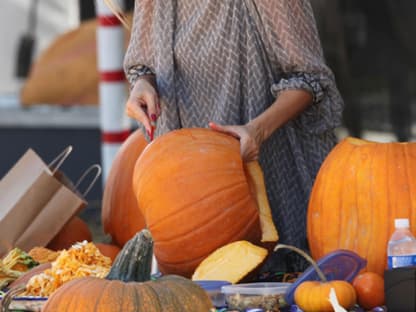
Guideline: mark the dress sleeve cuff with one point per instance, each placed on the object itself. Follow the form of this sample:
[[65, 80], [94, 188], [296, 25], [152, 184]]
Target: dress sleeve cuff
[[304, 81], [133, 73]]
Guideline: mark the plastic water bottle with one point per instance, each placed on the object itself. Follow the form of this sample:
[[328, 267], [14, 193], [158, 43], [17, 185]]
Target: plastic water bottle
[[401, 250]]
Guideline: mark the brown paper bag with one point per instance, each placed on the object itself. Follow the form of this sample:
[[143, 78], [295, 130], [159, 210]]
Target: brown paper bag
[[36, 200]]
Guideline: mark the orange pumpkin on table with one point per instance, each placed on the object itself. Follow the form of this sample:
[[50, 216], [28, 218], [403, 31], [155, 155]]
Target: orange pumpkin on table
[[120, 215], [196, 195], [360, 189], [128, 287], [317, 296]]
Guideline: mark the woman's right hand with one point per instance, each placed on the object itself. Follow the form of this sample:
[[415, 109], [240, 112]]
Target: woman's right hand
[[143, 104]]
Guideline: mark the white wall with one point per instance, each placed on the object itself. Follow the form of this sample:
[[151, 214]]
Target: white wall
[[54, 18]]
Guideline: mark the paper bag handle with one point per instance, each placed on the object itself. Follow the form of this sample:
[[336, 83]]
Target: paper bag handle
[[55, 164], [97, 174]]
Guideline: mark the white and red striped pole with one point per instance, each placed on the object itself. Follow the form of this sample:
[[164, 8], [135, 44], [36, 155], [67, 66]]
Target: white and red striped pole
[[115, 125]]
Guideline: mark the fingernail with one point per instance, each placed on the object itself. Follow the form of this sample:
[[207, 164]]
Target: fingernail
[[153, 117], [151, 134]]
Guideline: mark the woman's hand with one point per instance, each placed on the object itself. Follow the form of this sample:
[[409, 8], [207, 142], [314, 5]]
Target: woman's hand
[[251, 137], [287, 106], [143, 104]]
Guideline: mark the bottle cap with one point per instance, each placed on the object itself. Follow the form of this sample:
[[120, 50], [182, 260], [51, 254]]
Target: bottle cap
[[401, 223]]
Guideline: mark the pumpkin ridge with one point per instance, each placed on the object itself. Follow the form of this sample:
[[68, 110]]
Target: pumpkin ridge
[[72, 301], [367, 172], [153, 296], [353, 220], [212, 219], [381, 163], [237, 234], [390, 212], [101, 295], [340, 190], [405, 176], [412, 185], [194, 305], [169, 302], [408, 176], [199, 257], [62, 297], [240, 229], [372, 203], [317, 201], [375, 165], [134, 298], [184, 210]]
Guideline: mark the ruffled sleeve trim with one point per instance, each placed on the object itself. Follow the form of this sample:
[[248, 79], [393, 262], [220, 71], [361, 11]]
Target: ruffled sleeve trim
[[135, 72], [302, 81]]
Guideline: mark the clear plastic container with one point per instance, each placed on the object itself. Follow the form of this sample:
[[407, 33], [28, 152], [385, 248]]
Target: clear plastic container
[[213, 289], [266, 296], [401, 248]]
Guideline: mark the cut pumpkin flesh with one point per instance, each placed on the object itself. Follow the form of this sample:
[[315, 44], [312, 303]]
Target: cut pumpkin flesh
[[231, 263], [255, 177]]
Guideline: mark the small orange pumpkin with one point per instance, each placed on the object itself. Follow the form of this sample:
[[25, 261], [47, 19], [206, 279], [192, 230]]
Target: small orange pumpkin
[[313, 296], [120, 215], [197, 195]]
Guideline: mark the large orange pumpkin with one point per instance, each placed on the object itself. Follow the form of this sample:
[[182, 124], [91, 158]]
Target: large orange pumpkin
[[195, 195], [360, 189], [120, 215], [128, 288]]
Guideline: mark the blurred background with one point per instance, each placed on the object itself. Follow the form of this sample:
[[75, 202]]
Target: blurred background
[[49, 80]]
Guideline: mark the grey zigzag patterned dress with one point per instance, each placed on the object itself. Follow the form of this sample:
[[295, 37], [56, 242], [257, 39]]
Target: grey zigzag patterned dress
[[226, 61]]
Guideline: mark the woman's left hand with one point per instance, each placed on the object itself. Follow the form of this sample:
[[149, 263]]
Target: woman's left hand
[[250, 136]]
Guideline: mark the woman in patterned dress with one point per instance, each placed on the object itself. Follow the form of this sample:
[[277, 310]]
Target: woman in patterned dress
[[250, 68]]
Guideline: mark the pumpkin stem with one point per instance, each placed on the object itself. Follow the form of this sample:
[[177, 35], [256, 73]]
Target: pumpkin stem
[[306, 256], [134, 261]]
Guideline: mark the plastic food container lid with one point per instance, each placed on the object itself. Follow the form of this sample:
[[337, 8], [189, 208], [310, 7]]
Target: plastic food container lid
[[340, 264], [256, 288], [209, 285]]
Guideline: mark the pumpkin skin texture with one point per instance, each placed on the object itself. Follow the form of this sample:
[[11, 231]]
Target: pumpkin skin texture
[[192, 189], [312, 296], [120, 215], [76, 230], [369, 287], [171, 293], [360, 189], [127, 288]]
